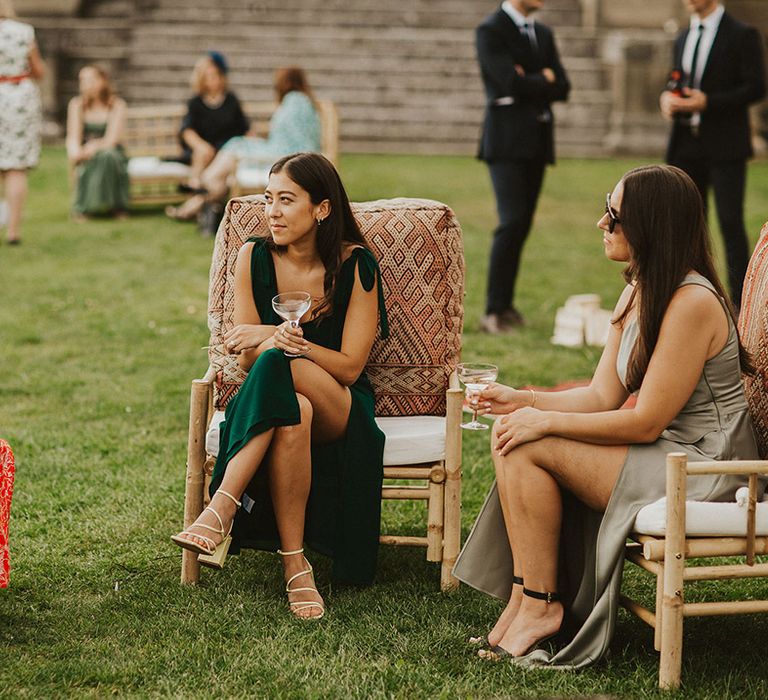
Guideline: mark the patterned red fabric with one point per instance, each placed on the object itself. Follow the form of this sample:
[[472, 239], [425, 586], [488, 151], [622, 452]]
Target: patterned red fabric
[[753, 329], [6, 491], [419, 248]]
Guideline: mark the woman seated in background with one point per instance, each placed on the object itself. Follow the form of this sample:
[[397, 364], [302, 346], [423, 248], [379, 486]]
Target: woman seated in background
[[95, 125], [214, 115], [572, 470], [299, 447], [293, 128]]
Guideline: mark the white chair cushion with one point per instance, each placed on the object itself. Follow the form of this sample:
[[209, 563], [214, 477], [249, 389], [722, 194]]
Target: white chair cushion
[[705, 519], [253, 176], [409, 440], [151, 166]]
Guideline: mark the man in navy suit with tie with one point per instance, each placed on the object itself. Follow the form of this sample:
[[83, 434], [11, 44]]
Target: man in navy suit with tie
[[522, 76], [720, 61]]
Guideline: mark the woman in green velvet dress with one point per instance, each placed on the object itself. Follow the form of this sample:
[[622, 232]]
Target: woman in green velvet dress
[[299, 448], [95, 124]]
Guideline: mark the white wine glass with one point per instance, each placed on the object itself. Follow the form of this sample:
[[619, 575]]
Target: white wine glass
[[291, 306], [475, 376]]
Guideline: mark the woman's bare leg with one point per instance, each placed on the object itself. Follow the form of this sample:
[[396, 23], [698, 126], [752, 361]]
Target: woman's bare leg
[[201, 159], [516, 594], [290, 478], [535, 472], [240, 471], [215, 178], [324, 406], [15, 195]]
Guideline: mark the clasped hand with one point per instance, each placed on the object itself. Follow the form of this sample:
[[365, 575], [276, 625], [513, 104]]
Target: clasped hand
[[690, 101], [519, 423], [246, 336]]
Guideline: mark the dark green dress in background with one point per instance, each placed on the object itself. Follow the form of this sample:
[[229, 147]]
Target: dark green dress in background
[[344, 507], [102, 181]]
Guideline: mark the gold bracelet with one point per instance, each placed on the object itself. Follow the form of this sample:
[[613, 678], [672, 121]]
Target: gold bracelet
[[533, 397]]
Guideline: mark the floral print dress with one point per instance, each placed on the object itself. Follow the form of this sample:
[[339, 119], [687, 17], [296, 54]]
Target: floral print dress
[[20, 108]]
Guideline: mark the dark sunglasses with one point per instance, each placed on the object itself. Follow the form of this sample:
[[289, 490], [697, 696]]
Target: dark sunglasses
[[613, 217]]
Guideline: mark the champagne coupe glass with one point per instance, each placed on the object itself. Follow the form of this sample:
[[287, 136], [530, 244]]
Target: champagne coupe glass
[[291, 306], [475, 376]]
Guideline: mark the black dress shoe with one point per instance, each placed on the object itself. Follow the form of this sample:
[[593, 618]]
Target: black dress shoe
[[512, 318]]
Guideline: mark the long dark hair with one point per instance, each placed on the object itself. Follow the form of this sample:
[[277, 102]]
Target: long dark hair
[[662, 217], [316, 175]]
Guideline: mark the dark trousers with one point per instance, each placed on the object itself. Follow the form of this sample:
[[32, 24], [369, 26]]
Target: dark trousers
[[728, 181], [516, 184]]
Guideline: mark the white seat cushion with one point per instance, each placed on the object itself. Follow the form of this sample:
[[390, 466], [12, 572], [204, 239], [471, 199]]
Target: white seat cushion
[[705, 519], [253, 176], [151, 166], [409, 440]]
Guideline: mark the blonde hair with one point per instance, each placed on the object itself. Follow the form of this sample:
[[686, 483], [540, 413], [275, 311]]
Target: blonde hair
[[6, 9], [197, 81]]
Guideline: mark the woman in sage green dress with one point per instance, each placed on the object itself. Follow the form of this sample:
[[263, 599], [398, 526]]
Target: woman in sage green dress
[[95, 124], [572, 470], [307, 420]]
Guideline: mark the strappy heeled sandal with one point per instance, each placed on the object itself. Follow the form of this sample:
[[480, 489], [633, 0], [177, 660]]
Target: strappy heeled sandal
[[498, 653], [212, 555], [298, 605], [483, 641]]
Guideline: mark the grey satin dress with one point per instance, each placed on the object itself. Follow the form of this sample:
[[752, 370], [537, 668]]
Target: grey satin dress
[[713, 424]]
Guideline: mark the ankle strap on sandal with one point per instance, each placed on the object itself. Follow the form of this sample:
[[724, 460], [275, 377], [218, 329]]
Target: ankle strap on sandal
[[518, 580], [229, 496], [550, 597], [288, 554]]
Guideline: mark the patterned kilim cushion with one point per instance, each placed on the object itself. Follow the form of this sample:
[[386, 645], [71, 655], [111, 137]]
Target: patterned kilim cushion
[[419, 248], [753, 328]]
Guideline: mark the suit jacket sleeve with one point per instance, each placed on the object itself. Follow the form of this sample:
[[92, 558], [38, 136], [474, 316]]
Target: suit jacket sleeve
[[498, 63], [557, 91], [751, 87]]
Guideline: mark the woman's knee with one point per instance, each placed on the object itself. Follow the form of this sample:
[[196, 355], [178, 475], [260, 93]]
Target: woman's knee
[[306, 410]]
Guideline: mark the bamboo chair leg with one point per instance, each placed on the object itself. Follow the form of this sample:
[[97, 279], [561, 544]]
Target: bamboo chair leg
[[674, 562], [193, 492], [435, 521], [452, 517], [659, 607]]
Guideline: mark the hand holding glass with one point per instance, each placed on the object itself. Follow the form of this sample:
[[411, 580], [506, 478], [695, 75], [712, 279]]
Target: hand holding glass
[[291, 306], [475, 376]]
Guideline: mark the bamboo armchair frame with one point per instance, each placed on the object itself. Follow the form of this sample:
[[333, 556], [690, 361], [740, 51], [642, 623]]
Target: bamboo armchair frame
[[153, 130], [441, 492], [665, 558], [413, 372]]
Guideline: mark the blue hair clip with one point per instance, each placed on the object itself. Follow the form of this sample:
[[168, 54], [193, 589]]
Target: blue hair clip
[[219, 61]]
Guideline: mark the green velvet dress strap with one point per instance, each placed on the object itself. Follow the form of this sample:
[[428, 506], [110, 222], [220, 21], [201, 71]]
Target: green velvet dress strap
[[369, 274]]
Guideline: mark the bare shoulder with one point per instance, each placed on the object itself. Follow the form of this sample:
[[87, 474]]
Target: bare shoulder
[[695, 304], [244, 254], [624, 300], [348, 249]]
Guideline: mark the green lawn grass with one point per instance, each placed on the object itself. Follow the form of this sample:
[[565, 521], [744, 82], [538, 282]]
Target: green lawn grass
[[101, 326]]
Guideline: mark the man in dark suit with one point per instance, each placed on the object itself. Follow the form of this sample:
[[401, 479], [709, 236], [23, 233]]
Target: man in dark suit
[[522, 76], [720, 64]]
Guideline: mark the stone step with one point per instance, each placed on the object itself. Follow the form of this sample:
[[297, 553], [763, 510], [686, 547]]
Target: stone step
[[290, 41]]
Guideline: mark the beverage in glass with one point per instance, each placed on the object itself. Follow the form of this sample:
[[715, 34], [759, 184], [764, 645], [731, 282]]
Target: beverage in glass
[[476, 376], [291, 306]]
